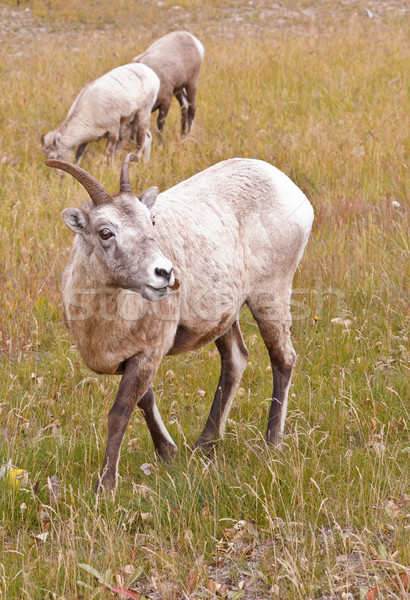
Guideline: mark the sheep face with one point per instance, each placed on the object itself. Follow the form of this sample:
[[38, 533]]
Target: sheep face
[[118, 239], [51, 145]]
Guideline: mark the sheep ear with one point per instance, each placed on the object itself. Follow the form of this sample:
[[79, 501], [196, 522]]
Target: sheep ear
[[57, 140], [149, 196], [75, 220]]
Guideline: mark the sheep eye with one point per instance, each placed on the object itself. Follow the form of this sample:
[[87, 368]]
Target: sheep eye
[[153, 220], [105, 234]]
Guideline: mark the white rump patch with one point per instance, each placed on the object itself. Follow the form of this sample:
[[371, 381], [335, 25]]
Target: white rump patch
[[198, 44]]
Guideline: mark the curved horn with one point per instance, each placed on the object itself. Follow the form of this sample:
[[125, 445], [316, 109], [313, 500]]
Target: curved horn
[[95, 190], [125, 185]]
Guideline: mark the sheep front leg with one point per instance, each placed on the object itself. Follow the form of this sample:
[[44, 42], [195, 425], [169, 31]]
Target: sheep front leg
[[111, 147], [137, 376], [274, 321], [139, 129], [80, 153]]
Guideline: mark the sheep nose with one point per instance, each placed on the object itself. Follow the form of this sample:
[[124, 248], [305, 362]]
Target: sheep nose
[[164, 273]]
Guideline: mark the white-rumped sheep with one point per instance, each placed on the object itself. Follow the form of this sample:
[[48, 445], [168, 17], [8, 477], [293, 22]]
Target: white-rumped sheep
[[116, 105], [228, 236], [176, 58]]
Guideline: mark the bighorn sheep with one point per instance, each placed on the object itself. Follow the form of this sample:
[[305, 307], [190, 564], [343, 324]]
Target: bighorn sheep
[[176, 58], [115, 106], [232, 235]]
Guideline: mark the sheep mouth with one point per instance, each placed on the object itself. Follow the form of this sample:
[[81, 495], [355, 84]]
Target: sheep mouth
[[161, 290], [155, 294], [166, 288]]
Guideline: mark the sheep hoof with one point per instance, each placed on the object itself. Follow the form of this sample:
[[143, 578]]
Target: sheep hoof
[[167, 452], [105, 486], [205, 444]]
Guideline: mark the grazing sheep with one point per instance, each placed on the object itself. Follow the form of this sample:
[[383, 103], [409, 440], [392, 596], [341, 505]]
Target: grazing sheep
[[116, 106], [232, 235], [176, 58]]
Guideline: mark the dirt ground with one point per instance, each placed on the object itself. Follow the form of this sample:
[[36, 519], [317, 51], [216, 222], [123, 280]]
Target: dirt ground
[[18, 23]]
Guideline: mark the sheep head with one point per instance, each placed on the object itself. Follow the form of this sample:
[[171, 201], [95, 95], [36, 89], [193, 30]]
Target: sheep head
[[51, 145], [116, 235]]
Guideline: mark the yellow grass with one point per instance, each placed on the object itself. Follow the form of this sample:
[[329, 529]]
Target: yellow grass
[[321, 91]]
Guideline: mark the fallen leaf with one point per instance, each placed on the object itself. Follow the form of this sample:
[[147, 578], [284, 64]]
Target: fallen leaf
[[125, 592], [134, 553], [128, 570], [372, 593], [222, 589], [170, 375], [146, 468], [44, 517]]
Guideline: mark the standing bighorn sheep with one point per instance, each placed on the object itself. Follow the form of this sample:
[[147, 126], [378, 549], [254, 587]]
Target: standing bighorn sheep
[[233, 235], [176, 58], [116, 105]]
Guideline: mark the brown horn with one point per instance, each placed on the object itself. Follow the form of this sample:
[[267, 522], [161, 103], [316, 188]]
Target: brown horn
[[125, 185], [95, 190]]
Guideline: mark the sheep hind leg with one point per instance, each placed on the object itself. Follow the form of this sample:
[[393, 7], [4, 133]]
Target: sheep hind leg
[[183, 102], [234, 356], [163, 111], [274, 321], [191, 90]]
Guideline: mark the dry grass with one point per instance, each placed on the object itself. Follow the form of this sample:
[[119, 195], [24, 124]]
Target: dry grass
[[326, 100]]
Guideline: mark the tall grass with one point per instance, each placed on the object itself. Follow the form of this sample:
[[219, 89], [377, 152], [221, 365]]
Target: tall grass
[[324, 515]]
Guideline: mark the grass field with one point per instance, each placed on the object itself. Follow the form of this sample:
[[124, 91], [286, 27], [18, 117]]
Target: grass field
[[320, 90]]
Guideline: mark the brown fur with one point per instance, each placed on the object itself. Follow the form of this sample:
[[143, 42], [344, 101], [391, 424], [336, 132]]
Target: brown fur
[[176, 59]]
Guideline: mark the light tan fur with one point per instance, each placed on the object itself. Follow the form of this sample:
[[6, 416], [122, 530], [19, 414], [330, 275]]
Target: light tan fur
[[116, 106], [234, 235]]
